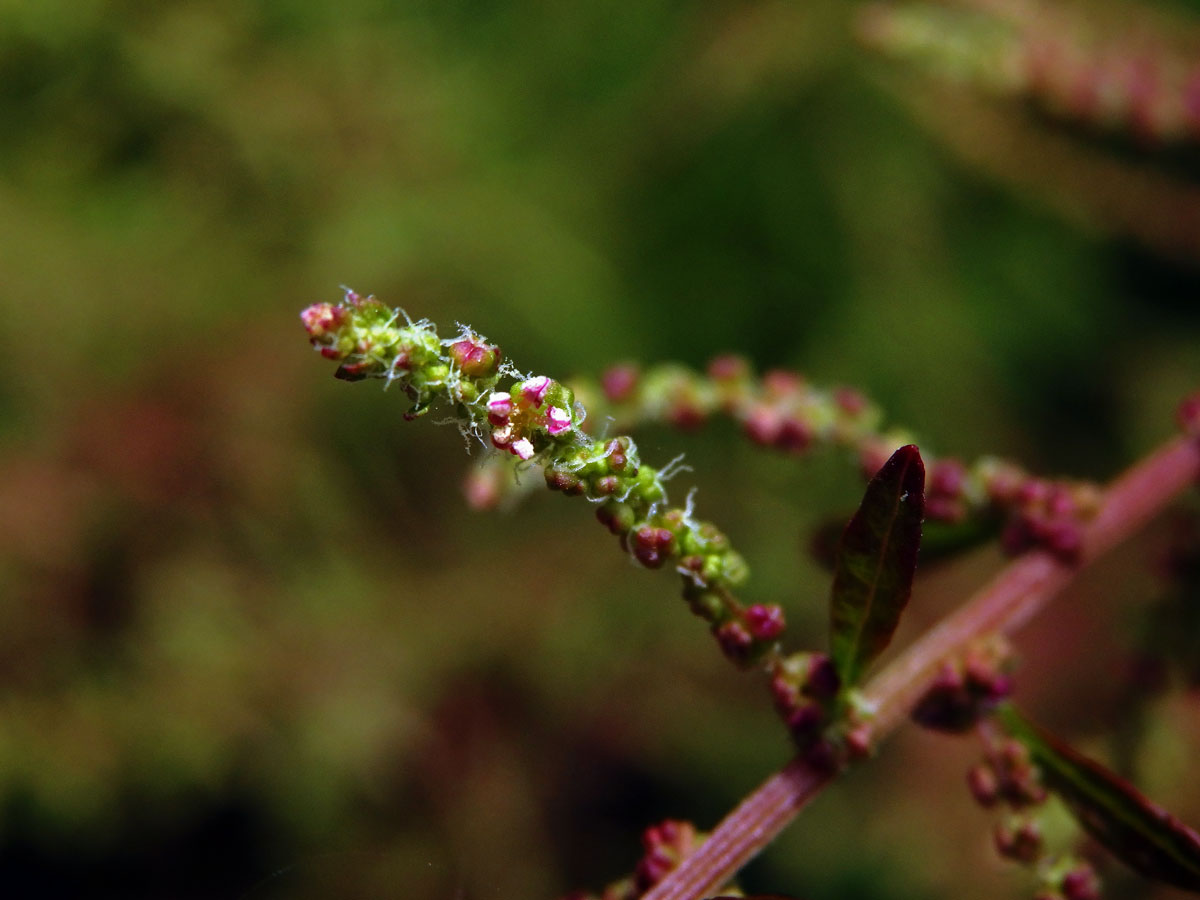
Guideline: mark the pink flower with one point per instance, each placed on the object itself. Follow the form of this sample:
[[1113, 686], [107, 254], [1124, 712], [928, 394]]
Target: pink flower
[[558, 420], [499, 407], [534, 390], [503, 437], [322, 318]]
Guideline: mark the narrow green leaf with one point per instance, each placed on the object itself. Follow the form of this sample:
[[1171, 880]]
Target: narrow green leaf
[[875, 562], [1142, 834]]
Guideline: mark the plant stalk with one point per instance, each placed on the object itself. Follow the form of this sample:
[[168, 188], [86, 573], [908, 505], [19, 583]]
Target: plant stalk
[[1008, 601]]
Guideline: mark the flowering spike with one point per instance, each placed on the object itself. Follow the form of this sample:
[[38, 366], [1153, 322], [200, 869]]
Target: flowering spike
[[536, 419]]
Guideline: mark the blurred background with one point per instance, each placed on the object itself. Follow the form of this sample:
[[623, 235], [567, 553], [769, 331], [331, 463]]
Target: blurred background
[[252, 642]]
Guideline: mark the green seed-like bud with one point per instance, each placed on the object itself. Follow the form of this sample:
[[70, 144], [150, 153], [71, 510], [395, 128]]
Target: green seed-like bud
[[567, 482], [648, 487], [708, 605], [714, 569], [475, 358], [617, 517], [733, 568], [605, 485]]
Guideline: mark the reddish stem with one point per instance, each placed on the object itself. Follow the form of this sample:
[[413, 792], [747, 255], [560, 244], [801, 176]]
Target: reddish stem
[[1014, 596]]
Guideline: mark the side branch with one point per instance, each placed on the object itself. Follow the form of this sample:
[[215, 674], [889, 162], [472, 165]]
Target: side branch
[[1014, 596]]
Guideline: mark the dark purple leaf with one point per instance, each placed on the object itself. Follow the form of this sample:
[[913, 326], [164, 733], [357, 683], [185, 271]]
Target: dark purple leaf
[[1140, 833], [875, 564], [940, 541]]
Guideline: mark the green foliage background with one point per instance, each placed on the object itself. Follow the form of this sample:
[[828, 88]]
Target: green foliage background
[[251, 643]]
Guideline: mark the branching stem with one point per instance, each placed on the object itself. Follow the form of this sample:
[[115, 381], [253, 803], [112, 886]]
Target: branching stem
[[1014, 596]]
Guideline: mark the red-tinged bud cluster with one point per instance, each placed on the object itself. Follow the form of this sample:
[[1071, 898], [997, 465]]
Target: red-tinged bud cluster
[[765, 622], [768, 426], [651, 546], [735, 641], [1079, 64], [1050, 517], [665, 846], [1081, 883], [782, 411], [475, 358], [779, 410], [616, 517], [984, 785], [1070, 879], [1019, 782], [966, 689], [537, 420], [1009, 777], [1020, 841], [369, 341], [944, 491], [322, 319], [745, 635], [804, 687]]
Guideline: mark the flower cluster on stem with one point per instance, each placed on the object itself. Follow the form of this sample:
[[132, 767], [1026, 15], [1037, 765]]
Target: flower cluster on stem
[[1008, 778], [664, 846], [784, 412], [536, 420], [1077, 64]]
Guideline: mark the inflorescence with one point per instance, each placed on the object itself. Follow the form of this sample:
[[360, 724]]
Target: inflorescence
[[536, 421], [784, 412]]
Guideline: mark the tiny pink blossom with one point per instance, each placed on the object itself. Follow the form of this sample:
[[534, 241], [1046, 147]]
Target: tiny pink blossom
[[499, 407], [322, 318], [558, 420], [502, 437], [534, 390], [522, 448]]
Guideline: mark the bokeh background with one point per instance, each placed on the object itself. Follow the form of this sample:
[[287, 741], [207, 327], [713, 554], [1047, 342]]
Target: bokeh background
[[253, 644]]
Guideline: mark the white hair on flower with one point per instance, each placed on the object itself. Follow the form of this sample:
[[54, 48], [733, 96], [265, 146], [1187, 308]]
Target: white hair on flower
[[696, 577], [673, 468], [465, 333], [507, 368], [468, 430], [689, 507]]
